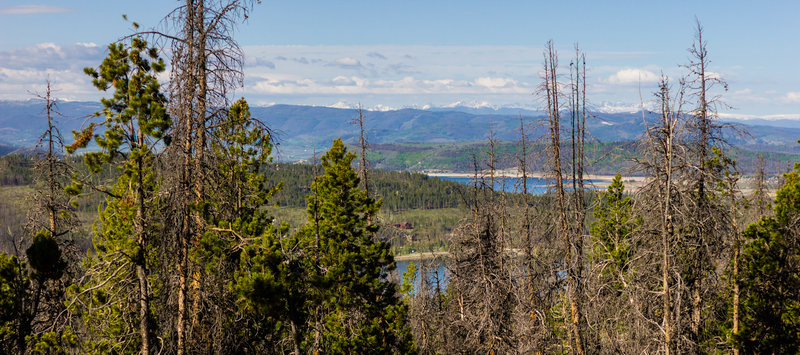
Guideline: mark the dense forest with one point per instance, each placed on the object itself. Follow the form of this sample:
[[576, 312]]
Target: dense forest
[[186, 255], [398, 190], [604, 158]]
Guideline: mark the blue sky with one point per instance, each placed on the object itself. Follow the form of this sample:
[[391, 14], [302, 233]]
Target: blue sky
[[391, 54]]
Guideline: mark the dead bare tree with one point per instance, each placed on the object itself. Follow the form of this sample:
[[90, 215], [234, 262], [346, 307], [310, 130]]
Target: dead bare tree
[[578, 132], [708, 218], [663, 161], [206, 67], [479, 314], [550, 88], [363, 146], [535, 274], [730, 189], [52, 171], [760, 195], [527, 230]]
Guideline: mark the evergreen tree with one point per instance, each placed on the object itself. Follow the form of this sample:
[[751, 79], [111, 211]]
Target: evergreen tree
[[242, 244], [612, 231], [357, 308], [770, 277], [14, 281], [119, 288], [24, 291], [612, 274]]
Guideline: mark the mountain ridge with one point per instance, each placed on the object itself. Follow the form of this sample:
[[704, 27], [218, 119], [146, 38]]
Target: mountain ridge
[[302, 129]]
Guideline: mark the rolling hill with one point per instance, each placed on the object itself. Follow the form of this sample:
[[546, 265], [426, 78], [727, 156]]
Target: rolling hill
[[302, 129]]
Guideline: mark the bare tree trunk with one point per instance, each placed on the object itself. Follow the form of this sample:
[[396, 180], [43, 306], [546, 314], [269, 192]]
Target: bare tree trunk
[[186, 114], [551, 91], [667, 227], [363, 145], [704, 224], [200, 67], [663, 162], [141, 260], [760, 193], [578, 138], [295, 338], [526, 222], [51, 169], [736, 251]]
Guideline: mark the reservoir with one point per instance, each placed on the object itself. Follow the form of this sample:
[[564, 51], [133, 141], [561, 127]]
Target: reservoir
[[536, 185]]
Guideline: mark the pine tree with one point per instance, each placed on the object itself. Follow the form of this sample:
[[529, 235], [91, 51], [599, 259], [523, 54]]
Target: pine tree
[[358, 308], [119, 287], [14, 281], [242, 243], [770, 277], [612, 231]]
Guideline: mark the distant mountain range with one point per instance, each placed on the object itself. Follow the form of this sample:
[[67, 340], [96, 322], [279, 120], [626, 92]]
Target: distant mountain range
[[303, 129]]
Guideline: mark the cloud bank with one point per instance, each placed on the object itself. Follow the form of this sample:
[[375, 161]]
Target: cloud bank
[[33, 10], [383, 75], [630, 76]]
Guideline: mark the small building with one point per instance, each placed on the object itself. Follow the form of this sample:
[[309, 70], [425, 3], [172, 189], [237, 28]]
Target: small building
[[403, 225]]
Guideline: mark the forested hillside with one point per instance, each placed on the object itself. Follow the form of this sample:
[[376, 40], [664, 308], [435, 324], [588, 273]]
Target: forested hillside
[[601, 158], [398, 190]]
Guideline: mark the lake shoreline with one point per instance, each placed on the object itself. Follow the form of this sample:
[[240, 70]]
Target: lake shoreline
[[632, 183], [422, 256]]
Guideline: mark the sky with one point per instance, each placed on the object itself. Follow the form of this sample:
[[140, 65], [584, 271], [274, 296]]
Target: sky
[[407, 53]]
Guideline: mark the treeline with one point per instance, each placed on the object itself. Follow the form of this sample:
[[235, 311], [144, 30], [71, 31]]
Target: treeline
[[398, 190], [15, 170], [604, 158]]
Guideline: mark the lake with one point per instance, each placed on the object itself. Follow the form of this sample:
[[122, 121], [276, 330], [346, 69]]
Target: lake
[[438, 264], [536, 185]]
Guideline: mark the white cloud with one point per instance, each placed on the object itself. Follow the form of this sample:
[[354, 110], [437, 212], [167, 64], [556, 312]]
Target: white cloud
[[788, 116], [409, 75], [490, 82], [341, 80], [713, 75], [347, 63], [18, 84], [49, 56], [405, 85], [792, 97], [33, 10], [747, 95], [620, 107], [630, 76]]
